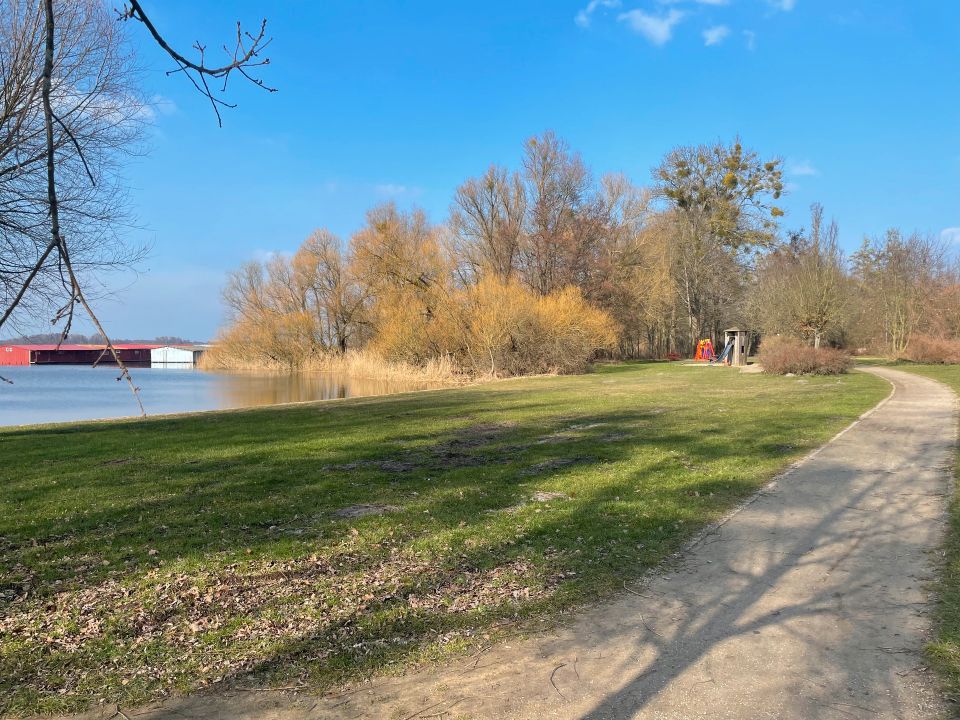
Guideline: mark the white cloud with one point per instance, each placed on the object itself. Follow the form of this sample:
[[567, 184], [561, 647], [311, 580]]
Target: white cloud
[[751, 39], [785, 5], [396, 190], [264, 256], [583, 17], [163, 105], [657, 29], [951, 235], [802, 168], [156, 105], [715, 35]]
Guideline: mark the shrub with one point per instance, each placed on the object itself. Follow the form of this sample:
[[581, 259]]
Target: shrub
[[498, 328], [493, 328], [929, 349], [780, 356], [570, 332], [272, 341]]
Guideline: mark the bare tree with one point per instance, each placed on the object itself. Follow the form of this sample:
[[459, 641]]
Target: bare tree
[[398, 251], [631, 278], [487, 219], [803, 289], [899, 280], [96, 115], [563, 219], [68, 112], [336, 299]]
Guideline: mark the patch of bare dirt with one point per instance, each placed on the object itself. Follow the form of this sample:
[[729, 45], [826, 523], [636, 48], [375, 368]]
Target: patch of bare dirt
[[460, 451], [358, 511], [542, 496], [554, 464]]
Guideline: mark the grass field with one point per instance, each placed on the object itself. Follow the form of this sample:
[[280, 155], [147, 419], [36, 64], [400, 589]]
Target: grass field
[[945, 652], [319, 543]]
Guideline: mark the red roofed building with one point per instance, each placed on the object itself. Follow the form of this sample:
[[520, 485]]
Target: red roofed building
[[130, 353]]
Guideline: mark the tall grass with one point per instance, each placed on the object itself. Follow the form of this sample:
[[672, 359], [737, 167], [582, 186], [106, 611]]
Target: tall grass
[[356, 363]]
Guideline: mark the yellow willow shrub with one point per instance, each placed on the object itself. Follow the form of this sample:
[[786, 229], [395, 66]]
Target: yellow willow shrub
[[271, 341], [499, 328], [496, 319], [407, 330], [571, 331]]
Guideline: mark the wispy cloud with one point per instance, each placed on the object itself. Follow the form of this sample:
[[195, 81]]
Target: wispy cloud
[[715, 35], [951, 235], [583, 17], [784, 5], [393, 190], [715, 3], [155, 106], [750, 38], [658, 29], [801, 168], [389, 190], [163, 105], [264, 256]]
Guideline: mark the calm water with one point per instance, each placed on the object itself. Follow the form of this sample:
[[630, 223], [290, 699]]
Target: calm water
[[56, 393]]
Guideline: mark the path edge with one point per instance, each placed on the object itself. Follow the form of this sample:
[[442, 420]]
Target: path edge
[[767, 487]]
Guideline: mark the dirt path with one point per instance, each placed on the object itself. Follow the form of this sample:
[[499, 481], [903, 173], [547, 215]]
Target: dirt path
[[808, 603]]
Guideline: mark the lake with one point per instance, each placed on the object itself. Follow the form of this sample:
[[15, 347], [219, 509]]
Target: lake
[[58, 393]]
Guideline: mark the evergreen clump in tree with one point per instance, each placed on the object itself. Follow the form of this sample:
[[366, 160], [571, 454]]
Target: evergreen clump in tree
[[722, 205]]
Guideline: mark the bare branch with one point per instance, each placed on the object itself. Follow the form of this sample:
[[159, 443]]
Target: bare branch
[[241, 58], [53, 204], [26, 283], [83, 158]]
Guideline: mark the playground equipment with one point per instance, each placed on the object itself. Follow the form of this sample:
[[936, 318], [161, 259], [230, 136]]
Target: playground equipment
[[736, 344], [725, 355], [705, 351]]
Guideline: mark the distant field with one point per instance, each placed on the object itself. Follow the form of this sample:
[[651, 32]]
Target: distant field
[[318, 543]]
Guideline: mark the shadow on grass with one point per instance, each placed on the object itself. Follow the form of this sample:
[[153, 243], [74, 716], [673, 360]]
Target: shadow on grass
[[213, 491]]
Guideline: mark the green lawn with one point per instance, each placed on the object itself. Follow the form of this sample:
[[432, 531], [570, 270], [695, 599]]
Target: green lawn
[[945, 652], [140, 558]]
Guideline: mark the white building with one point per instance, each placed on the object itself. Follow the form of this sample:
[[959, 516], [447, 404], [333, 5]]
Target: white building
[[175, 356]]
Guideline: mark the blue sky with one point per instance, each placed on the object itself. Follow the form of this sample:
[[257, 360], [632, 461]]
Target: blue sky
[[403, 101]]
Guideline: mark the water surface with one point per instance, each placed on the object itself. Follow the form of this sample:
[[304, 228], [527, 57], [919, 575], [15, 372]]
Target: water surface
[[58, 393]]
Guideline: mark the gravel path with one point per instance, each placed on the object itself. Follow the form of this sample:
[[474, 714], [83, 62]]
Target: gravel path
[[809, 602]]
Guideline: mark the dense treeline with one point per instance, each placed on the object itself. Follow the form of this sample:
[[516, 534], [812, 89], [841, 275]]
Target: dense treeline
[[542, 268]]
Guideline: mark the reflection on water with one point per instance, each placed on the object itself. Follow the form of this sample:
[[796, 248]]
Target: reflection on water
[[249, 390], [56, 393]]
